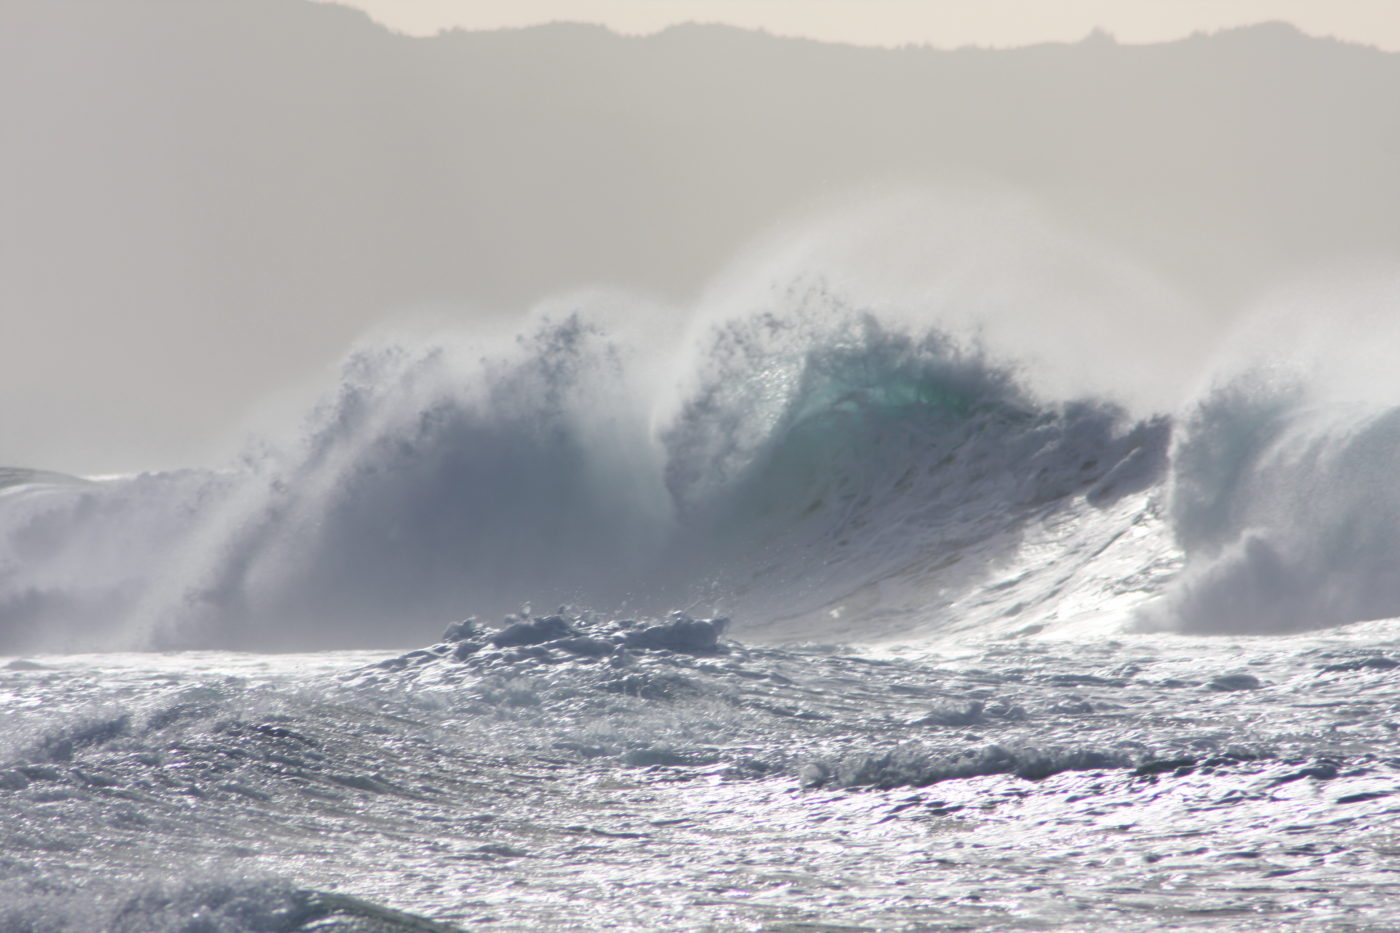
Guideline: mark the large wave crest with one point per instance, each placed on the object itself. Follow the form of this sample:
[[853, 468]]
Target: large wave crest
[[815, 450]]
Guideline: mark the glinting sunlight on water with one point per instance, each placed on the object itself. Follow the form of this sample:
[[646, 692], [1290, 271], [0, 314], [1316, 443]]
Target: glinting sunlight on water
[[951, 550]]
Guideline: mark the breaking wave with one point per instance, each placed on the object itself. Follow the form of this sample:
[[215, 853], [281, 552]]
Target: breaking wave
[[813, 449], [1288, 511], [818, 469]]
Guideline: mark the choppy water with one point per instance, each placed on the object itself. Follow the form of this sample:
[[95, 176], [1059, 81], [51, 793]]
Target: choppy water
[[1144, 782]]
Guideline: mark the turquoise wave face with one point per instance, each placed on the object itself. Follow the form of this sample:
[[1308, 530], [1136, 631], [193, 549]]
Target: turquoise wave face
[[812, 389]]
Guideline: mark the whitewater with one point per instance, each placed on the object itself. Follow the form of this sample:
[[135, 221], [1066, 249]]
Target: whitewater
[[998, 591]]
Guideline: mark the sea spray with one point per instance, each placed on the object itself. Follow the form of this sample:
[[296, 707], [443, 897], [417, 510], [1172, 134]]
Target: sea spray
[[821, 467], [821, 449]]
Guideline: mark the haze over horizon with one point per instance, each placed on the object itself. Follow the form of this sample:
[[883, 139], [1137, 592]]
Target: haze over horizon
[[894, 23], [207, 204]]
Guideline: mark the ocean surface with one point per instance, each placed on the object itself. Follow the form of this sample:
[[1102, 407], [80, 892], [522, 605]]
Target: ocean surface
[[799, 612]]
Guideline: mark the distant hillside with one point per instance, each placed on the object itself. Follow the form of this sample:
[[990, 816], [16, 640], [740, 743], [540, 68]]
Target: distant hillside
[[216, 194]]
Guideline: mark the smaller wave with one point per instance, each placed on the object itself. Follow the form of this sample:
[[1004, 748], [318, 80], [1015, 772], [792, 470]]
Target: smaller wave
[[242, 905], [1287, 509], [914, 766]]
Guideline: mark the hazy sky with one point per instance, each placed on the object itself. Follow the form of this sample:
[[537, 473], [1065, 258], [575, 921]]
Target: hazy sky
[[896, 22], [206, 204]]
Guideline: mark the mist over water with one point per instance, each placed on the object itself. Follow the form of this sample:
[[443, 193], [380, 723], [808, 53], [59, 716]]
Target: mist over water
[[895, 398]]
